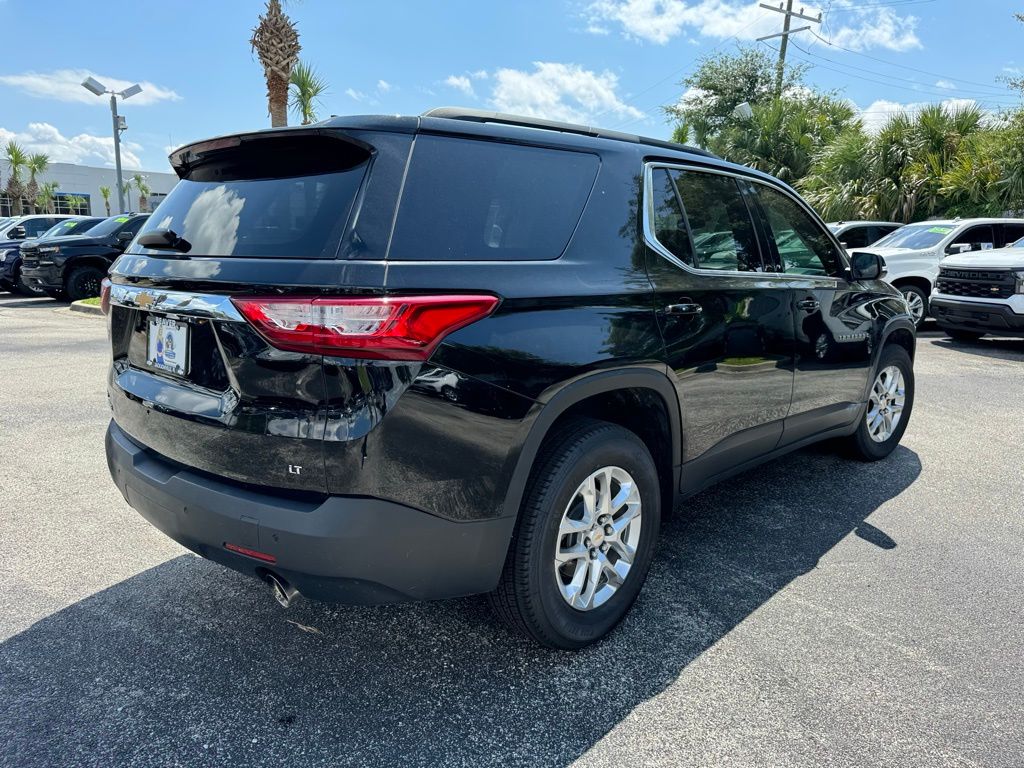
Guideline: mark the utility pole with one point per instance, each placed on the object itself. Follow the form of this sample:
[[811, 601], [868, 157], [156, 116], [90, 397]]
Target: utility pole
[[788, 12]]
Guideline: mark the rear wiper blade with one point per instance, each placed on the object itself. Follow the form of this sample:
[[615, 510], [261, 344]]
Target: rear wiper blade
[[165, 240]]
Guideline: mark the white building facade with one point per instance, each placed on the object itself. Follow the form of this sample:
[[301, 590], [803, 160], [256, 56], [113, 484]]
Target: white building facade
[[78, 189]]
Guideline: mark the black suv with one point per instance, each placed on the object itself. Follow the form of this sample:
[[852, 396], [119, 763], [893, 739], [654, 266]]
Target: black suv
[[73, 267], [390, 358]]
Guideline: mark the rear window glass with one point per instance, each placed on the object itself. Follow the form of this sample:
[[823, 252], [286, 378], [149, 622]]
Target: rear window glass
[[273, 198], [469, 200]]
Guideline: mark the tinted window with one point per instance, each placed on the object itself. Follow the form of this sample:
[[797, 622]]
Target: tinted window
[[467, 200], [109, 226], [804, 248], [36, 227], [1012, 232], [718, 225], [980, 238], [669, 223], [134, 225], [855, 237]]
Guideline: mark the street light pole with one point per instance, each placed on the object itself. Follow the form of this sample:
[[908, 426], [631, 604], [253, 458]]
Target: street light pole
[[97, 88], [117, 152]]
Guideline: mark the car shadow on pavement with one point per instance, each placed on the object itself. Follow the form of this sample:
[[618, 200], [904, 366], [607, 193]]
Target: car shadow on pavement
[[189, 663], [1000, 349]]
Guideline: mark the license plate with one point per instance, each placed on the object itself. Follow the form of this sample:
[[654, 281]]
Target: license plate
[[168, 345]]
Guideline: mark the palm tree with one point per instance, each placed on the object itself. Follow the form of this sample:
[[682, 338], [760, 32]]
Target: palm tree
[[305, 91], [45, 196], [140, 184], [36, 164], [275, 40], [16, 162], [105, 192], [74, 203], [126, 190]]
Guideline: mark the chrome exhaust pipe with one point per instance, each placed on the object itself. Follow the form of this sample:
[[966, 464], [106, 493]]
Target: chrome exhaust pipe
[[282, 591]]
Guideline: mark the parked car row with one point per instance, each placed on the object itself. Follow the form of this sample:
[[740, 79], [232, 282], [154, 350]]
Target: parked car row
[[64, 257]]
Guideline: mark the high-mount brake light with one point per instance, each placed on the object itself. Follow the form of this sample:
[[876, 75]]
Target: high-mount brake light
[[381, 327]]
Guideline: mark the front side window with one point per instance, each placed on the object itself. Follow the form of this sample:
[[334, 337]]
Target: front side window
[[36, 227], [980, 238], [855, 237], [804, 248], [714, 223]]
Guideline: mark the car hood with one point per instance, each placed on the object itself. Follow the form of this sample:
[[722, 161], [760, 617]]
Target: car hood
[[75, 241], [1005, 258], [886, 253]]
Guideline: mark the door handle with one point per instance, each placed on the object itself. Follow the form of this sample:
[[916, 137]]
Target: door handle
[[808, 304], [686, 308]]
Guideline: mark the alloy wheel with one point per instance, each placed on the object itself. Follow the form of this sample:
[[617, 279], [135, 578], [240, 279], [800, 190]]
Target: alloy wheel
[[885, 404], [597, 538], [915, 303]]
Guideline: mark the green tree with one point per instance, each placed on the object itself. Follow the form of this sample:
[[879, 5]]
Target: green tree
[[143, 189], [275, 41], [45, 196], [17, 160], [105, 193], [306, 88], [36, 164]]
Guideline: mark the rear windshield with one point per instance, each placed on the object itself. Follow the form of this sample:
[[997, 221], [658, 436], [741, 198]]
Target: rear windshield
[[470, 200], [270, 198]]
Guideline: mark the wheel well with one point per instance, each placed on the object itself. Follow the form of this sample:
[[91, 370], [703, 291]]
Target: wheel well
[[643, 412], [89, 261], [903, 338], [920, 282]]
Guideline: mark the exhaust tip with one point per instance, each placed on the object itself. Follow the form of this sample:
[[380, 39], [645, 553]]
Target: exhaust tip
[[282, 591]]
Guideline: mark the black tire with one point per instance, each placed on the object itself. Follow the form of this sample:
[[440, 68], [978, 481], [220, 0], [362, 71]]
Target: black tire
[[860, 445], [84, 283], [528, 598], [56, 293], [922, 295], [962, 335]]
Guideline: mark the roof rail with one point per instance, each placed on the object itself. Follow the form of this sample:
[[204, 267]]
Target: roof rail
[[485, 116]]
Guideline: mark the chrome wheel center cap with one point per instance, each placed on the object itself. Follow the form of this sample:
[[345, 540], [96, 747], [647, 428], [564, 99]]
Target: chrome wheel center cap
[[597, 537]]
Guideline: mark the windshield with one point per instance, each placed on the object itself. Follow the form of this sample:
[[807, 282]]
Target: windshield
[[70, 227], [109, 226], [916, 236]]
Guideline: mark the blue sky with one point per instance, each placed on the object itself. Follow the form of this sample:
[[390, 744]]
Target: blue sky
[[609, 62]]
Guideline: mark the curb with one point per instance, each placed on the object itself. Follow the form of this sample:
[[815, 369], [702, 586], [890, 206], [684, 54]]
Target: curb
[[89, 309]]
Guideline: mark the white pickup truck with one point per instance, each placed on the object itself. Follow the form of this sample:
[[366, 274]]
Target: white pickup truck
[[981, 292], [912, 253]]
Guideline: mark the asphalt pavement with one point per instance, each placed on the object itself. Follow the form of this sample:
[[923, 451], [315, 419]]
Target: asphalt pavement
[[813, 612]]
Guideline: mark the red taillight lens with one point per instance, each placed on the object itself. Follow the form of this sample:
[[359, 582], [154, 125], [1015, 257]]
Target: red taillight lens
[[386, 328], [105, 296]]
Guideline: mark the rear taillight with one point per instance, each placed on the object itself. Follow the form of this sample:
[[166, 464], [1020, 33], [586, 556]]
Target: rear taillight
[[105, 296], [385, 328]]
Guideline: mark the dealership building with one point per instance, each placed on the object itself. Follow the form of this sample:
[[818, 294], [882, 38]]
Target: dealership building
[[83, 182]]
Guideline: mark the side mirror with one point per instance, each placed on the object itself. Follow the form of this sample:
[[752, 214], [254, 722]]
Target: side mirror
[[17, 233], [866, 266], [125, 237], [956, 248]]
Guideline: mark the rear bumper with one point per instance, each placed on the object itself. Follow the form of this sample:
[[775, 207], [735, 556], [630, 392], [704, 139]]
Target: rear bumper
[[42, 277], [342, 549], [987, 317]]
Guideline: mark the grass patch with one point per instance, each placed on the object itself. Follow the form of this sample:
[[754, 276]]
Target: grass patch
[[93, 302], [744, 360]]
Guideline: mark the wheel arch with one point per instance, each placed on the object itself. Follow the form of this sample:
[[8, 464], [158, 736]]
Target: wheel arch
[[645, 387], [919, 281], [90, 260]]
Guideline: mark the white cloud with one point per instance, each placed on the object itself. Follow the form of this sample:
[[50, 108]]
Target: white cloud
[[945, 85], [352, 93], [480, 74], [83, 148], [559, 92], [383, 86], [460, 83], [659, 21], [66, 85], [876, 114]]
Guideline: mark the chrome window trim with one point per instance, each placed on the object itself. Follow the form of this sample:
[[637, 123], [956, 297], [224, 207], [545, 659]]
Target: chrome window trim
[[652, 241], [206, 305]]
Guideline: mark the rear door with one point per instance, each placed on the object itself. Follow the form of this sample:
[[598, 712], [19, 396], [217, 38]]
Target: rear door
[[833, 319], [726, 321], [261, 215]]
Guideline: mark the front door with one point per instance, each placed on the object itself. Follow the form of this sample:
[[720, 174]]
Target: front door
[[726, 322], [834, 320]]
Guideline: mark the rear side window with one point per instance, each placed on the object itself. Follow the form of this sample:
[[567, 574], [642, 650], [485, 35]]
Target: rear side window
[[470, 200], [715, 230], [287, 197]]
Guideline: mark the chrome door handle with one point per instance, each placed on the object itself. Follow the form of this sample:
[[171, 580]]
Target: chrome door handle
[[687, 308], [808, 304]]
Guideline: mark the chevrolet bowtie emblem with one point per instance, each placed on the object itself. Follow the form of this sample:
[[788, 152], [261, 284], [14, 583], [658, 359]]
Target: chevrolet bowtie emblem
[[146, 300]]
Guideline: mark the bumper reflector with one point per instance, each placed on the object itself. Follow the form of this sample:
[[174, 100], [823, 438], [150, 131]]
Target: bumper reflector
[[250, 553]]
